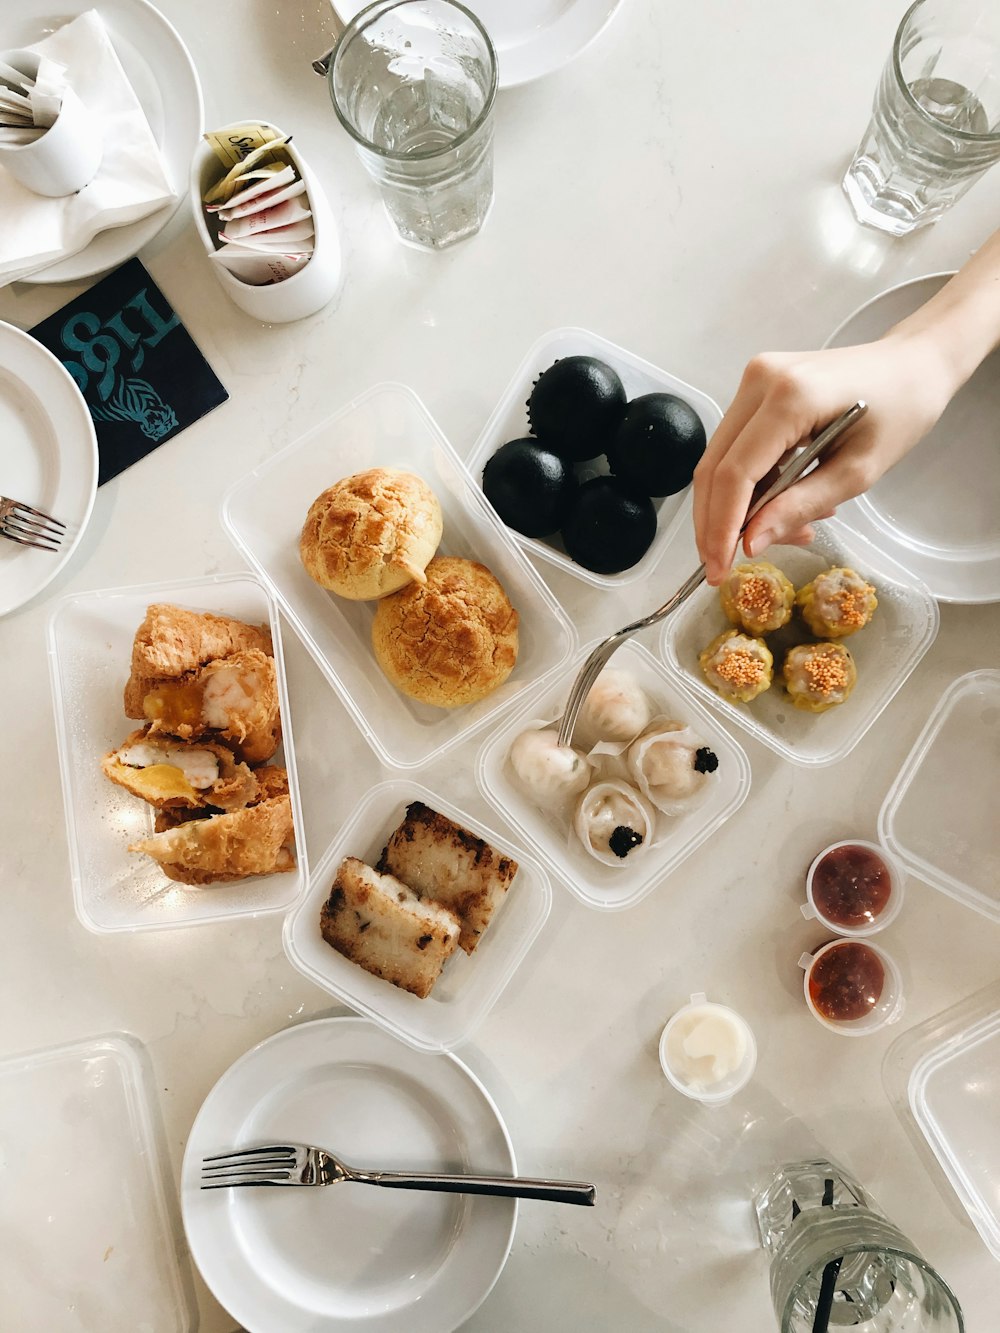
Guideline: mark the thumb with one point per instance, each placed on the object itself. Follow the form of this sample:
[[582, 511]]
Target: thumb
[[814, 497]]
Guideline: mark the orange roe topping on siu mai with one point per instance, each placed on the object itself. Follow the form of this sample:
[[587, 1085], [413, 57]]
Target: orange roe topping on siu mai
[[740, 667], [853, 606], [826, 672], [755, 594]]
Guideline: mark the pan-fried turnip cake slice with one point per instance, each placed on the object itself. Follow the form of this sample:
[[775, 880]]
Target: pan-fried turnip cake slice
[[378, 922]]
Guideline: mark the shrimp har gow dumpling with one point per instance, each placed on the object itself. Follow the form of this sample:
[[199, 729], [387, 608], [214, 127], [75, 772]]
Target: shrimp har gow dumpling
[[616, 709], [614, 822], [548, 772], [671, 765]]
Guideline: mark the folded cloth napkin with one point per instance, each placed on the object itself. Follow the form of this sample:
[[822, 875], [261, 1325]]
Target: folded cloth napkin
[[131, 181]]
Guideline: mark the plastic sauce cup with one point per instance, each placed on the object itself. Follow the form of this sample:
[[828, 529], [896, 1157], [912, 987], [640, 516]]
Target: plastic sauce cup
[[897, 880], [714, 1092], [886, 1009]]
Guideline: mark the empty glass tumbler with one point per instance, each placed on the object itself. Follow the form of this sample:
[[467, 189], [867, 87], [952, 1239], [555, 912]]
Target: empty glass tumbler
[[414, 84], [935, 126], [837, 1263]]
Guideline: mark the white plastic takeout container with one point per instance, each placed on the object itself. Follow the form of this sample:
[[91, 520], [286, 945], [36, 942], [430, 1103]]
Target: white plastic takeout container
[[886, 651], [608, 887], [940, 815], [897, 890], [388, 426], [106, 1247], [470, 984], [887, 1009], [509, 421], [90, 648], [943, 1079]]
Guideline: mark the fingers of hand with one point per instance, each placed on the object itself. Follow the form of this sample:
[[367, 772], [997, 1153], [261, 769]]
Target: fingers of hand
[[816, 496]]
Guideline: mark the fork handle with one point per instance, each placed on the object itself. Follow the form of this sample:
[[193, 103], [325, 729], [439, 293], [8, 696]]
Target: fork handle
[[507, 1187]]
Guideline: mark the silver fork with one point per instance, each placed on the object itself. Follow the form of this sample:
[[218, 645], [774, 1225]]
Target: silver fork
[[29, 527], [300, 1164], [601, 655]]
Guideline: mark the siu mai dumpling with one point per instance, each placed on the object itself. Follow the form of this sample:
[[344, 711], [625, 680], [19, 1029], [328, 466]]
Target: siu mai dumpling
[[757, 597]]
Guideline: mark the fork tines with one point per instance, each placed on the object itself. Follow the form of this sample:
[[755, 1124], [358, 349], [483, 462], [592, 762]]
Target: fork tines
[[27, 526], [274, 1164]]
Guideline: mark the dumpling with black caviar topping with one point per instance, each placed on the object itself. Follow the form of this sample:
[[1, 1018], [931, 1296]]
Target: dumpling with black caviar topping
[[549, 772], [614, 822], [737, 666], [837, 603], [757, 597], [672, 766], [616, 709], [819, 676]]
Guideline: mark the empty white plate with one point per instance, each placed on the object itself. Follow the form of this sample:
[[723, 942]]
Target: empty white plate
[[350, 1257], [937, 512], [532, 37], [48, 458]]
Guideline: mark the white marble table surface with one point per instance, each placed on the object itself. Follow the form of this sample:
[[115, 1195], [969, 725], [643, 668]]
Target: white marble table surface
[[675, 190]]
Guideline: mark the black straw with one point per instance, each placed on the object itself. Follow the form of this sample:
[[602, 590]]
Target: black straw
[[824, 1302]]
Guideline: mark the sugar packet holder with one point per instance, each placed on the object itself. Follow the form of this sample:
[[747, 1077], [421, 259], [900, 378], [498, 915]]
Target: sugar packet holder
[[276, 263], [49, 141]]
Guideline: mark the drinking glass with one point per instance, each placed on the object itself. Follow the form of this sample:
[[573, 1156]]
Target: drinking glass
[[837, 1262], [414, 84], [935, 126]]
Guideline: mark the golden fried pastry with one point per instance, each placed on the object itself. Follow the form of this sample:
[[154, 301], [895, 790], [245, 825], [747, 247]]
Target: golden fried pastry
[[235, 698], [384, 927], [439, 859], [451, 640], [371, 533], [168, 773], [737, 666], [172, 641], [819, 676], [256, 841], [836, 603], [757, 597]]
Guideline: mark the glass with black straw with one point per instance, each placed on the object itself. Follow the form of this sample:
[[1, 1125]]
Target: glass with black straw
[[837, 1262]]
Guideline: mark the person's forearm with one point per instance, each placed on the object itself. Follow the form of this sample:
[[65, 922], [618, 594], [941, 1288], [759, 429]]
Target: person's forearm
[[962, 320]]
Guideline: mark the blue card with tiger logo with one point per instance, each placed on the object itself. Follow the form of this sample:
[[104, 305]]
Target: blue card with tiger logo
[[137, 366]]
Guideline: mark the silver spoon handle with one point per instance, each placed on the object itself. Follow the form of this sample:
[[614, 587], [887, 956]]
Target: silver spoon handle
[[508, 1187]]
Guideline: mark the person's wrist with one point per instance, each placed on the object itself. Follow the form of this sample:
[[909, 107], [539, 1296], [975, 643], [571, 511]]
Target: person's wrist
[[934, 364]]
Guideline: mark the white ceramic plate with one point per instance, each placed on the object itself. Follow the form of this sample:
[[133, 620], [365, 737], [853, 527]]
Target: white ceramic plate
[[162, 73], [532, 37], [345, 1257], [937, 513], [48, 458]]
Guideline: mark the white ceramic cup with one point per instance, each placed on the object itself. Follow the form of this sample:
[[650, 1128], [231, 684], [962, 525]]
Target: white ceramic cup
[[66, 157]]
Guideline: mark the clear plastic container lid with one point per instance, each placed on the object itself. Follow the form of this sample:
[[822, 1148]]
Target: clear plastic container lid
[[469, 984], [90, 651], [388, 426], [509, 421], [940, 815], [87, 1212], [943, 1079], [902, 629], [613, 887]]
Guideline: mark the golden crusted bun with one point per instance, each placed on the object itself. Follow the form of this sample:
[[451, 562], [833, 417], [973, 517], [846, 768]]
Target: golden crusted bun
[[371, 534], [451, 640]]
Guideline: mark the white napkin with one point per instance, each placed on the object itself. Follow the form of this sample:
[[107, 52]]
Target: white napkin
[[131, 181]]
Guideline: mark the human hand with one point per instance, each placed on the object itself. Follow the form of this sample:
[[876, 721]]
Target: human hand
[[786, 397]]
